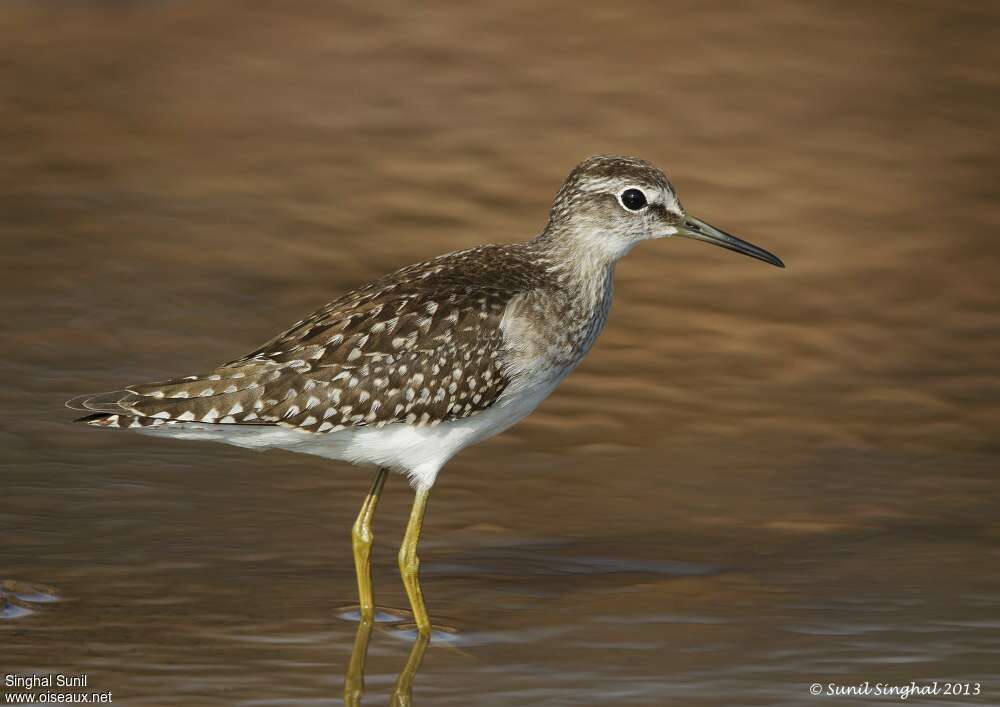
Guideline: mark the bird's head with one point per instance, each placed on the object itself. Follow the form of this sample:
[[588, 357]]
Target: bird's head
[[607, 205]]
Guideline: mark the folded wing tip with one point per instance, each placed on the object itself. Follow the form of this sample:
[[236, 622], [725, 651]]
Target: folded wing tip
[[99, 402]]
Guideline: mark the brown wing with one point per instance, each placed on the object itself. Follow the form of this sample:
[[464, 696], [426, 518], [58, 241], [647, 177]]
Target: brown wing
[[421, 346]]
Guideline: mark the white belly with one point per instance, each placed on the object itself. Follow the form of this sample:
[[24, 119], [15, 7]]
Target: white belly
[[420, 452]]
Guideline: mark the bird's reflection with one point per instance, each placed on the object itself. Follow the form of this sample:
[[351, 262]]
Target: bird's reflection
[[354, 681]]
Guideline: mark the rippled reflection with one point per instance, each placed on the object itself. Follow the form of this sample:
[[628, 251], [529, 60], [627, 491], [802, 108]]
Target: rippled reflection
[[17, 599], [402, 691], [354, 680]]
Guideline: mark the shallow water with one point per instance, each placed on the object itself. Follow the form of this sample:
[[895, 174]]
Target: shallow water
[[758, 480]]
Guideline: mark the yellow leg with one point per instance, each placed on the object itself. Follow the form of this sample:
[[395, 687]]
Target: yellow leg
[[409, 563], [361, 540], [354, 681], [402, 693]]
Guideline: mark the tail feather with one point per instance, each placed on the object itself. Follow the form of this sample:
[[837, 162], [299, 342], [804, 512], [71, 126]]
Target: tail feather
[[104, 419], [229, 395], [111, 401]]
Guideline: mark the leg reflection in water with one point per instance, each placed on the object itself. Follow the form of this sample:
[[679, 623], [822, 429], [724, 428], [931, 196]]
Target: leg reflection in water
[[402, 692], [354, 680]]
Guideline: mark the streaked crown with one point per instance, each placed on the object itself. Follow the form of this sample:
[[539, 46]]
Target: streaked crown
[[610, 203]]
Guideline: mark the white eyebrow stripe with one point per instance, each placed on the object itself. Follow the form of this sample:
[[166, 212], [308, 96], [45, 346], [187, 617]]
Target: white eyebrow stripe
[[670, 201], [617, 185], [655, 194]]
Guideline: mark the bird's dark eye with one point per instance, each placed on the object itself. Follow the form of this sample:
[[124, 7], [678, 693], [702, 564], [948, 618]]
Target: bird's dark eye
[[633, 199]]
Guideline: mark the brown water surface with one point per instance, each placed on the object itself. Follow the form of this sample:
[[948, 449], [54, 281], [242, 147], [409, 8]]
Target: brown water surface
[[758, 480]]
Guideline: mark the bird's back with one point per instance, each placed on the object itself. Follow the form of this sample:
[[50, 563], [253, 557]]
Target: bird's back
[[421, 346]]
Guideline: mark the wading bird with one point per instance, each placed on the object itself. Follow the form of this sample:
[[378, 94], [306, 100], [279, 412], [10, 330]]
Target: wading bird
[[407, 371]]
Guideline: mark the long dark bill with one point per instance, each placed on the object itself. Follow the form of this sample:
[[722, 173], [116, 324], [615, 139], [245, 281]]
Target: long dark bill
[[701, 231]]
